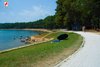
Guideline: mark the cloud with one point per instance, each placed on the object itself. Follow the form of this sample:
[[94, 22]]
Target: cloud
[[35, 11], [28, 14]]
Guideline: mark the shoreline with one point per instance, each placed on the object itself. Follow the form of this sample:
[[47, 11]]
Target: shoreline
[[7, 50], [42, 30], [19, 47]]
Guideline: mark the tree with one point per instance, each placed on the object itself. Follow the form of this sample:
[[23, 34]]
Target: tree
[[78, 12], [50, 22]]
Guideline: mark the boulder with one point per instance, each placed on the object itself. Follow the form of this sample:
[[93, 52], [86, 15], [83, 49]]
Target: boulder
[[62, 37]]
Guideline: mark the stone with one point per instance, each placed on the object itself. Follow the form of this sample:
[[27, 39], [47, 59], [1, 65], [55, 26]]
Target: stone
[[62, 37]]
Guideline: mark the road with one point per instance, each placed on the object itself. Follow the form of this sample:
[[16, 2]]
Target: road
[[88, 56]]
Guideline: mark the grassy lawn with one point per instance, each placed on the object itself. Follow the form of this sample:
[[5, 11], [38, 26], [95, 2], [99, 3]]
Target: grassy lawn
[[41, 54]]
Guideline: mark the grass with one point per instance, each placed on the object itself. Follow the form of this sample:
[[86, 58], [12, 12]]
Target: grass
[[30, 56]]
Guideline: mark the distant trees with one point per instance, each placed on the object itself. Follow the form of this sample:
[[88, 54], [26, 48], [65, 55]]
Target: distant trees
[[70, 14], [50, 22], [47, 23]]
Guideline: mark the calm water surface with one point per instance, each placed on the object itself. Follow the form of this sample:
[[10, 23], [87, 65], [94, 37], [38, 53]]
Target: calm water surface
[[11, 38]]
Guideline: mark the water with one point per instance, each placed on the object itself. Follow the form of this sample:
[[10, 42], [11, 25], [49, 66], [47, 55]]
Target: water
[[11, 38]]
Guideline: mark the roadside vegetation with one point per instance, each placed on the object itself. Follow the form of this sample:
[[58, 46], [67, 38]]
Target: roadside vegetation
[[42, 55]]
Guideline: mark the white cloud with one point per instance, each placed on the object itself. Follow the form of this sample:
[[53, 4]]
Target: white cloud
[[35, 11], [30, 14]]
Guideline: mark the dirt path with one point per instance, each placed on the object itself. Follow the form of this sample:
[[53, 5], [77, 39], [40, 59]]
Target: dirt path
[[88, 56]]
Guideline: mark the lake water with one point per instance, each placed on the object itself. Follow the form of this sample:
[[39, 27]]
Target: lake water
[[11, 38]]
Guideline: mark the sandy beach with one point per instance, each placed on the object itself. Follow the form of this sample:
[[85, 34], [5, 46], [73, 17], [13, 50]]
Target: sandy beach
[[31, 43]]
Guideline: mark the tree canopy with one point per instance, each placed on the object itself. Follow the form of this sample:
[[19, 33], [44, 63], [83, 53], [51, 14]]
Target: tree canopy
[[47, 23], [71, 13]]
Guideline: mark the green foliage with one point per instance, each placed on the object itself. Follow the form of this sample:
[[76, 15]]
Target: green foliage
[[48, 23], [83, 12]]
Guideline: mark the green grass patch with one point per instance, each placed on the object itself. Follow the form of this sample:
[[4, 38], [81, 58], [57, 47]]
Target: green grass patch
[[27, 56]]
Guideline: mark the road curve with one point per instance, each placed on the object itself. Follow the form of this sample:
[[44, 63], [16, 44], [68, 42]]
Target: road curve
[[88, 56]]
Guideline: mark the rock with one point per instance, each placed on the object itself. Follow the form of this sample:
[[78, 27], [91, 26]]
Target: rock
[[62, 37], [56, 41]]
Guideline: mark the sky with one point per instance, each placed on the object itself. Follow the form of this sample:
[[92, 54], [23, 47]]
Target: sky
[[26, 10]]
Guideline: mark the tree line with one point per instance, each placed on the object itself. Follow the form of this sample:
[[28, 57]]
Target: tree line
[[74, 14], [70, 14], [47, 23]]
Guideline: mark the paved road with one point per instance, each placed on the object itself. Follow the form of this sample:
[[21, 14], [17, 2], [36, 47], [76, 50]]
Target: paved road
[[88, 56]]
